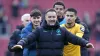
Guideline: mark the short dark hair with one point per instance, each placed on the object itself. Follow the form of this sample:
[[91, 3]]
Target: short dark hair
[[59, 3], [72, 10], [35, 13], [50, 10]]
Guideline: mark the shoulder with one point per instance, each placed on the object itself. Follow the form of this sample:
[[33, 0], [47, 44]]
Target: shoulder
[[28, 27], [62, 29], [17, 31], [80, 27], [82, 23]]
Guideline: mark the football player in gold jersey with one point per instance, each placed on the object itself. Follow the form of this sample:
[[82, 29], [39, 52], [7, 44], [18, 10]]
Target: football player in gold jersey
[[74, 28]]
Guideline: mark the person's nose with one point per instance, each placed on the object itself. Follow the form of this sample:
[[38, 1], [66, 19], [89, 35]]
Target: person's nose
[[51, 18], [36, 19], [69, 19]]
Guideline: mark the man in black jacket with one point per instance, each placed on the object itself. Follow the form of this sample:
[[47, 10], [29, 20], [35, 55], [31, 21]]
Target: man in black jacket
[[16, 35], [51, 37]]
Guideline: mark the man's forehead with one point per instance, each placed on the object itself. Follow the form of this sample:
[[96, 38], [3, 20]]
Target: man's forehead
[[69, 12], [51, 13], [36, 16], [58, 6], [27, 19]]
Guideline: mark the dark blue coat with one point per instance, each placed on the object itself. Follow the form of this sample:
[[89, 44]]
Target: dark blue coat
[[29, 50], [50, 40], [26, 31], [13, 41]]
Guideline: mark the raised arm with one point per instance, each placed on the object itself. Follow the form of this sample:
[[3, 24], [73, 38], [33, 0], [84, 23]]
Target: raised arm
[[30, 38], [76, 40], [13, 40]]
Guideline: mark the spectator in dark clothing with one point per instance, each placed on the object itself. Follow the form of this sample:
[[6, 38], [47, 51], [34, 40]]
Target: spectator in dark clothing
[[3, 24], [3, 21], [16, 36], [97, 38], [50, 37], [15, 8]]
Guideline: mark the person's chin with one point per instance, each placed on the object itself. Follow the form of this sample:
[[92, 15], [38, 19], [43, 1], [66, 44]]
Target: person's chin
[[58, 15], [36, 24], [69, 23], [51, 24]]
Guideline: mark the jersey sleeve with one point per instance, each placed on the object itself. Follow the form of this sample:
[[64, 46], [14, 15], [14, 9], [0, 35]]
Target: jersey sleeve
[[80, 31]]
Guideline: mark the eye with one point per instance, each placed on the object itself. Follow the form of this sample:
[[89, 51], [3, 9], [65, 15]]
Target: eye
[[56, 8], [34, 17], [27, 20], [53, 16], [71, 15], [38, 17], [67, 15], [61, 9], [49, 16]]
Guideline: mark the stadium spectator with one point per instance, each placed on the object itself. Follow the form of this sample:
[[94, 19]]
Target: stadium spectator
[[3, 21]]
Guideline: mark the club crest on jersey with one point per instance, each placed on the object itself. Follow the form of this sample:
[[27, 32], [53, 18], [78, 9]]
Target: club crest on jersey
[[82, 28], [58, 31]]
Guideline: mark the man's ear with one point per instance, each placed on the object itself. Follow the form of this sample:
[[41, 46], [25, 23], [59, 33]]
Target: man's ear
[[45, 17]]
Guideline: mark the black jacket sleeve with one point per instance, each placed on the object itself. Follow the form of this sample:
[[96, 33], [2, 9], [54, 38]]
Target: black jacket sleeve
[[13, 40], [30, 38], [87, 32], [74, 39]]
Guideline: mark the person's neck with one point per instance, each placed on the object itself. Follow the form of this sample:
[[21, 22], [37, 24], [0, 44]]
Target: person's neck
[[34, 26], [60, 16], [70, 25]]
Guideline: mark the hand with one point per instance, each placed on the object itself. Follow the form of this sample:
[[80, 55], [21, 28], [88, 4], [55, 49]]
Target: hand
[[17, 47], [89, 45]]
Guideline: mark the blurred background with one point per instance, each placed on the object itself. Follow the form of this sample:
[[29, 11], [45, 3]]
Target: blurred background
[[12, 10]]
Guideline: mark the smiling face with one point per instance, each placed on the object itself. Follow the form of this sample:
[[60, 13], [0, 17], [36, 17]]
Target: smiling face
[[51, 17], [36, 20]]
